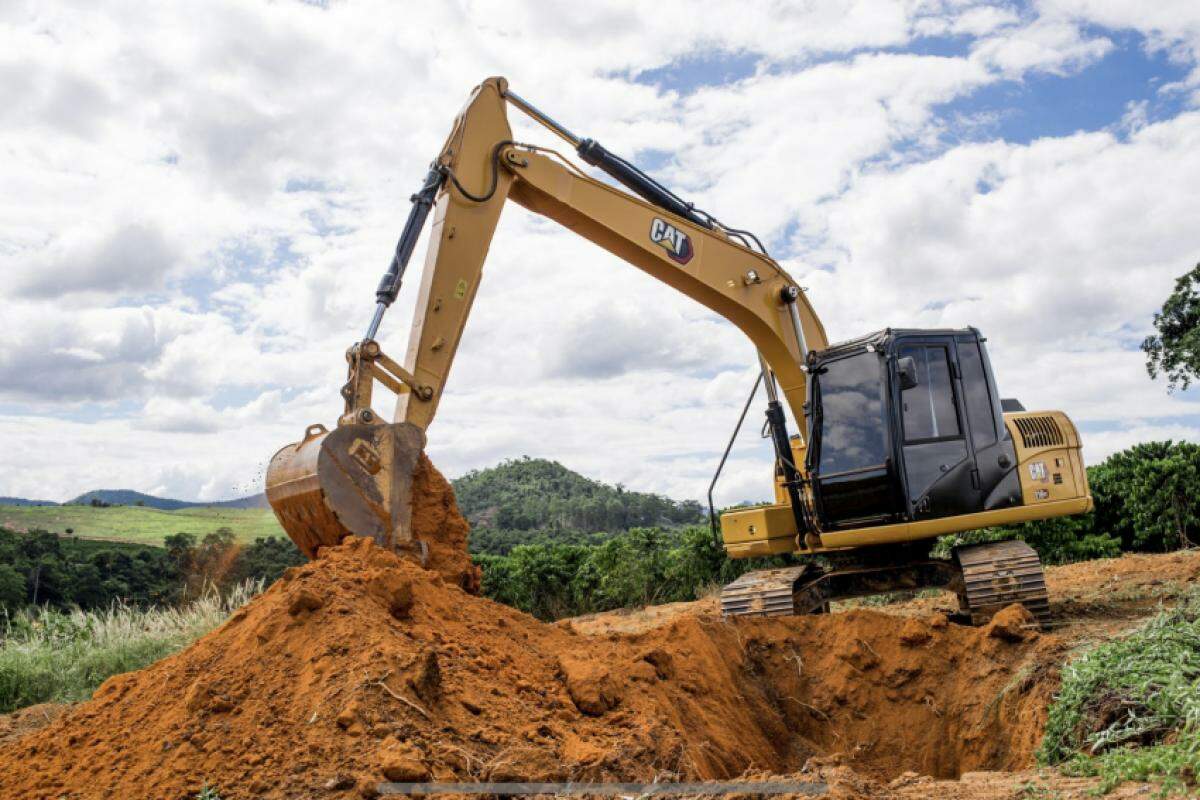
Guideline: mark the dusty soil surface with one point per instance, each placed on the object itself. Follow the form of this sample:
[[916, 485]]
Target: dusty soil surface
[[361, 667], [437, 522]]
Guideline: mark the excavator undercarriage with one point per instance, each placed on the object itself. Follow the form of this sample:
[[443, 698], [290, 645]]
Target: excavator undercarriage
[[985, 578], [901, 435]]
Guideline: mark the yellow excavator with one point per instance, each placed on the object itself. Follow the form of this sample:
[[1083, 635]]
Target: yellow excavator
[[902, 434]]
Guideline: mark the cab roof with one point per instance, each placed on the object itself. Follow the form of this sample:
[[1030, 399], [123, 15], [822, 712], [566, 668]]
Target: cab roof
[[882, 340]]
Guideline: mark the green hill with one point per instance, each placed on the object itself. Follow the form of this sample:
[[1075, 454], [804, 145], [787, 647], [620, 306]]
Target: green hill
[[526, 500], [128, 497]]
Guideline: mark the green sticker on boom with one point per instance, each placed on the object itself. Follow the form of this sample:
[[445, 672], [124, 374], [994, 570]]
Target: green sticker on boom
[[460, 291]]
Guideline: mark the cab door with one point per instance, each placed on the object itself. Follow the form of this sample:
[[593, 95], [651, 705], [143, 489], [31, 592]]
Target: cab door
[[995, 453], [941, 474]]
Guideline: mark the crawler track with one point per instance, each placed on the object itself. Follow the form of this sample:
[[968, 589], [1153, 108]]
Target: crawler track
[[998, 574], [986, 578]]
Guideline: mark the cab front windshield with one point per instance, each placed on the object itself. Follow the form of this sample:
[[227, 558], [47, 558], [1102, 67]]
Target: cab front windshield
[[852, 435]]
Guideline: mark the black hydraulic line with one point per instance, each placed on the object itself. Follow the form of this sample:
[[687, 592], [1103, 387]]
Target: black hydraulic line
[[389, 284], [742, 234], [712, 513], [627, 174], [630, 176], [791, 476], [483, 198]]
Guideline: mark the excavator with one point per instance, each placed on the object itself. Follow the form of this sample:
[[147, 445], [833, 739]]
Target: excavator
[[901, 435]]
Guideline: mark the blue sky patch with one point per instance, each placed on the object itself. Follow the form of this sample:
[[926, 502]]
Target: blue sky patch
[[1095, 98], [686, 75]]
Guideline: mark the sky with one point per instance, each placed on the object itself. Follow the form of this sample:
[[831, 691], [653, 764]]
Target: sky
[[198, 201]]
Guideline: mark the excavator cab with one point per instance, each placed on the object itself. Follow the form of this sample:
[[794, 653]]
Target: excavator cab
[[906, 425]]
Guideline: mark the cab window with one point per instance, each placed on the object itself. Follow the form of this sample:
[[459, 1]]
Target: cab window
[[929, 411], [853, 436], [976, 394]]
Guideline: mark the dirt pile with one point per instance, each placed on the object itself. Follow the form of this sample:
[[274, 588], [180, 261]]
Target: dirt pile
[[361, 667], [437, 521]]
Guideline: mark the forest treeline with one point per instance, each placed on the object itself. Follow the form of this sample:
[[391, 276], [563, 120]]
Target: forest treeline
[[1147, 500], [597, 548], [44, 569]]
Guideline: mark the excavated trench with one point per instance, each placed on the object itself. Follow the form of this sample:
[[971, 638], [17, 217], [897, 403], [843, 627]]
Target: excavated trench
[[883, 694], [361, 667]]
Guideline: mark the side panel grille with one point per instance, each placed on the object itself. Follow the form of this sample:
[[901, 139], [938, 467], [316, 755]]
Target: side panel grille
[[1040, 432]]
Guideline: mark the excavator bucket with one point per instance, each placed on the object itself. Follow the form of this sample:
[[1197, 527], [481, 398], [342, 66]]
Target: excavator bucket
[[356, 479]]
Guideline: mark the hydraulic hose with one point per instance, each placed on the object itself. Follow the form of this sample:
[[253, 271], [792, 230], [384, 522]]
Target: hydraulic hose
[[389, 284]]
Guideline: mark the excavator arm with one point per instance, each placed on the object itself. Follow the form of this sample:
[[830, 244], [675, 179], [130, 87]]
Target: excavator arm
[[358, 477]]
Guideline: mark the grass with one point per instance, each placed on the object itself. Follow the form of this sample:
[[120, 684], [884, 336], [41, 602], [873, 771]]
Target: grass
[[140, 524], [48, 655], [1129, 709]]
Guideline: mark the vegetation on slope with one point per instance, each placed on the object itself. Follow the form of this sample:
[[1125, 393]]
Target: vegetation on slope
[[139, 523], [49, 655], [639, 567], [1130, 708], [42, 569], [529, 500]]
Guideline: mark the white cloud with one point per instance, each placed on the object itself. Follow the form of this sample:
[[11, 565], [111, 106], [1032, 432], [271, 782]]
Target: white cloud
[[1098, 445], [1044, 45], [197, 207]]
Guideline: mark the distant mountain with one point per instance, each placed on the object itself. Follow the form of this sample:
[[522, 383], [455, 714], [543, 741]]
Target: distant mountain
[[253, 501], [21, 501], [128, 497]]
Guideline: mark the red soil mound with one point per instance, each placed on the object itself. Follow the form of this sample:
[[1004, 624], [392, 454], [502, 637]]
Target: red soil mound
[[361, 667], [437, 522]]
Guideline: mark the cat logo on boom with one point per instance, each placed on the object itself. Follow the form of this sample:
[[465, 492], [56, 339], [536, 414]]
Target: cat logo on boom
[[674, 241]]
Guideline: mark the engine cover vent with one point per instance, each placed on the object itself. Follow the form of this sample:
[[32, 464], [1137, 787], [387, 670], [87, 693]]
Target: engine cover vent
[[1040, 432]]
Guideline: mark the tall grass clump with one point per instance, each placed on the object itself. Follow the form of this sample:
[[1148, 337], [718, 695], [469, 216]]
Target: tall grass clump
[[48, 655], [1130, 708]]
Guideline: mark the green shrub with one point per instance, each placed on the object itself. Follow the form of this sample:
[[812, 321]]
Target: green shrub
[[1130, 708], [50, 655], [642, 566]]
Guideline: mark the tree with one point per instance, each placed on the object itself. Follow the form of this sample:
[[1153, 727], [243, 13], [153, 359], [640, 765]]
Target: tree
[[265, 560], [1175, 350], [180, 547], [12, 589], [1111, 483], [1163, 496]]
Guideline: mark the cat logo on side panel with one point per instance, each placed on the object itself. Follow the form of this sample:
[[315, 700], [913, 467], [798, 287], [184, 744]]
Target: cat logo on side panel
[[674, 241]]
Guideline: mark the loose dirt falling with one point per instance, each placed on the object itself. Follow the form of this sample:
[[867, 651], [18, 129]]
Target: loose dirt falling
[[361, 667]]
